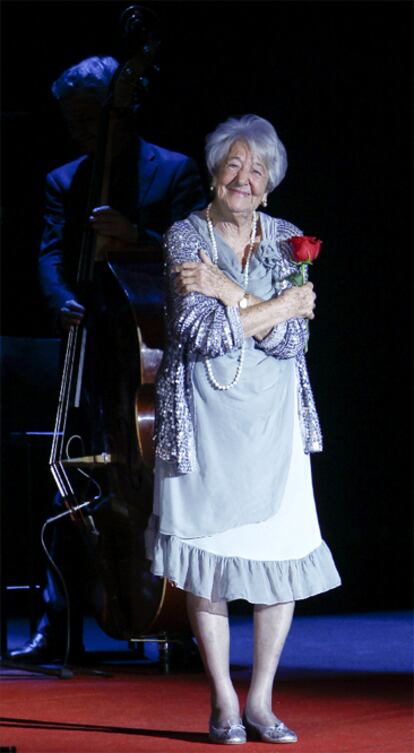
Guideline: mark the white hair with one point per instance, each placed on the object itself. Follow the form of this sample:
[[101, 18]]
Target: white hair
[[261, 138], [91, 76]]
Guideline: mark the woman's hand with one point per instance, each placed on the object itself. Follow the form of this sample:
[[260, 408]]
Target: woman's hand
[[293, 303], [300, 301], [109, 222], [206, 278]]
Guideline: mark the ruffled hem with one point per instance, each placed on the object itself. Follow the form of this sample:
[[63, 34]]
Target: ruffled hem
[[229, 578]]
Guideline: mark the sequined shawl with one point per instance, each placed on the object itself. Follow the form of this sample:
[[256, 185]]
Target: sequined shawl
[[198, 325]]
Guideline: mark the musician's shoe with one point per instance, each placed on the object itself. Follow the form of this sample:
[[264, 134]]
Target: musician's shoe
[[42, 650]]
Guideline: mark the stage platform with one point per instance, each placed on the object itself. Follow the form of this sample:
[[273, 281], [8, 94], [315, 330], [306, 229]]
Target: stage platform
[[345, 686]]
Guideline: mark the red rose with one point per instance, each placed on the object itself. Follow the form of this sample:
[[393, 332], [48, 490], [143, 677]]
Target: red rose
[[305, 248]]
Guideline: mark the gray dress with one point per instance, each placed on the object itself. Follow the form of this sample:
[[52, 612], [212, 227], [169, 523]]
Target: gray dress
[[241, 527]]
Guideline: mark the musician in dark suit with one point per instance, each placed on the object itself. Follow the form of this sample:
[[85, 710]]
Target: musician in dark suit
[[150, 189]]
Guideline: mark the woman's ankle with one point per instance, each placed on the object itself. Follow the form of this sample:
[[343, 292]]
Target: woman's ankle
[[225, 709], [260, 712]]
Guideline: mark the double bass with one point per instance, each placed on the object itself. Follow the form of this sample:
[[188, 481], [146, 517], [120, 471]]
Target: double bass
[[102, 452]]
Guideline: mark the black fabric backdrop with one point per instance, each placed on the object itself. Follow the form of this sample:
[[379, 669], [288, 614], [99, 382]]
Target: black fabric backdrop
[[335, 78]]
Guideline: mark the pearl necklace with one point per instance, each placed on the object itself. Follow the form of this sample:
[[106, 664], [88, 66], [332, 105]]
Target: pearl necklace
[[237, 375]]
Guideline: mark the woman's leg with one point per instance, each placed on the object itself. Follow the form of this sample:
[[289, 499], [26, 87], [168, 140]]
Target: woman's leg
[[210, 625], [271, 627]]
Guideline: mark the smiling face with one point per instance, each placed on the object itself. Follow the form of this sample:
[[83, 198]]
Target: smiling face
[[241, 180]]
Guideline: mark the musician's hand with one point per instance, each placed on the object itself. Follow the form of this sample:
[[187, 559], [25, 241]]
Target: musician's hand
[[71, 314], [110, 223]]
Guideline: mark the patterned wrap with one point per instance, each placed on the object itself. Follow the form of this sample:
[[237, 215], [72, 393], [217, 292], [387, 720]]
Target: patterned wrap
[[198, 325]]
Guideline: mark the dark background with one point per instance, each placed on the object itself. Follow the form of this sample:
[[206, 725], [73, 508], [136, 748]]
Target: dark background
[[335, 78]]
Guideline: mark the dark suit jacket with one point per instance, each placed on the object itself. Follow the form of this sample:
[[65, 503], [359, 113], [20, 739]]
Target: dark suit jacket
[[152, 186]]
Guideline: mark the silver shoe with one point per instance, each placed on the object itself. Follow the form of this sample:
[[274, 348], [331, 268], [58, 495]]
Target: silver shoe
[[229, 734], [272, 733]]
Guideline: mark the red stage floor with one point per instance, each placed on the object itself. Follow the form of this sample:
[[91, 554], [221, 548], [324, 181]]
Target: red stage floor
[[334, 709]]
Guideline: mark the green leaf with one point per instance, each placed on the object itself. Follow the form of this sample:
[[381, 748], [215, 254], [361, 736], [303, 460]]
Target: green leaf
[[296, 279]]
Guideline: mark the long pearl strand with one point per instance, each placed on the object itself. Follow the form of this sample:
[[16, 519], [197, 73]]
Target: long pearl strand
[[246, 271]]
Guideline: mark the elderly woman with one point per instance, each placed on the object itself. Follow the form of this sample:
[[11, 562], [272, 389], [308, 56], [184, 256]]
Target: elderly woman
[[234, 513]]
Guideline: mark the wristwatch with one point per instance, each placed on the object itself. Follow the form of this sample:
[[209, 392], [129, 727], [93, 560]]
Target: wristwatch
[[243, 303]]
